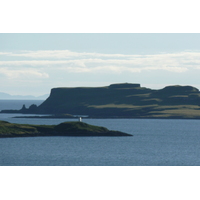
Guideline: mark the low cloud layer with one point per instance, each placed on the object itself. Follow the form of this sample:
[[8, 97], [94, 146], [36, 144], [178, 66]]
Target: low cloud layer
[[41, 63], [22, 73]]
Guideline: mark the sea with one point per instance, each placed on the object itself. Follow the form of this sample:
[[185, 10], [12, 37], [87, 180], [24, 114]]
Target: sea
[[155, 142]]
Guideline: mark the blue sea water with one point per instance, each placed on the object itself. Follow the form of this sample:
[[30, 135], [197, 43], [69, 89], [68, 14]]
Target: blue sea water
[[155, 142]]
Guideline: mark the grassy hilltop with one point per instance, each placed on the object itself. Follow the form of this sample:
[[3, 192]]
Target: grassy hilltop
[[122, 100]]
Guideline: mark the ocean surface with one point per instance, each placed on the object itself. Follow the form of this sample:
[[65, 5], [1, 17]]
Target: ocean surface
[[155, 142]]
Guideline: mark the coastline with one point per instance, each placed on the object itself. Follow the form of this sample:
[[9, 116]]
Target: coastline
[[106, 117]]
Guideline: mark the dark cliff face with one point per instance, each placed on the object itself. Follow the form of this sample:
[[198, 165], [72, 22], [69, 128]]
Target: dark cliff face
[[121, 100], [82, 100], [124, 85], [116, 99]]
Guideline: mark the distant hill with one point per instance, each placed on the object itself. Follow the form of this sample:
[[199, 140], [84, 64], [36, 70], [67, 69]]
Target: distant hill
[[124, 100], [25, 97]]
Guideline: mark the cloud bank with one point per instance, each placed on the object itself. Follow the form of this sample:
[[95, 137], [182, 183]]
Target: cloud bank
[[41, 63], [43, 70]]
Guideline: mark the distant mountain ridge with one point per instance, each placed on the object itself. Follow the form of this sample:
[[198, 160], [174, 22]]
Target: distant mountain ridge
[[123, 100], [6, 96]]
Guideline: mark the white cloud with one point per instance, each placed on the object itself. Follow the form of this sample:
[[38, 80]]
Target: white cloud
[[76, 62], [5, 53], [22, 73], [59, 54], [66, 54]]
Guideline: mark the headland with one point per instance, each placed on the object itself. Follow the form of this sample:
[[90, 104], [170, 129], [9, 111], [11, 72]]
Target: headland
[[125, 100]]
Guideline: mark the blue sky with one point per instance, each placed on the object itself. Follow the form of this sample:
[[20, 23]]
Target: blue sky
[[35, 63]]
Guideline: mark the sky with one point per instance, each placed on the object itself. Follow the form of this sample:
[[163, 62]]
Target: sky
[[45, 44], [33, 63]]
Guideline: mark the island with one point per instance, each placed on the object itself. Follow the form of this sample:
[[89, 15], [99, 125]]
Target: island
[[120, 100], [73, 129]]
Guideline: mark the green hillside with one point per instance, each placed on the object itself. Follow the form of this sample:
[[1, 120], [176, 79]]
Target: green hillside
[[64, 129]]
